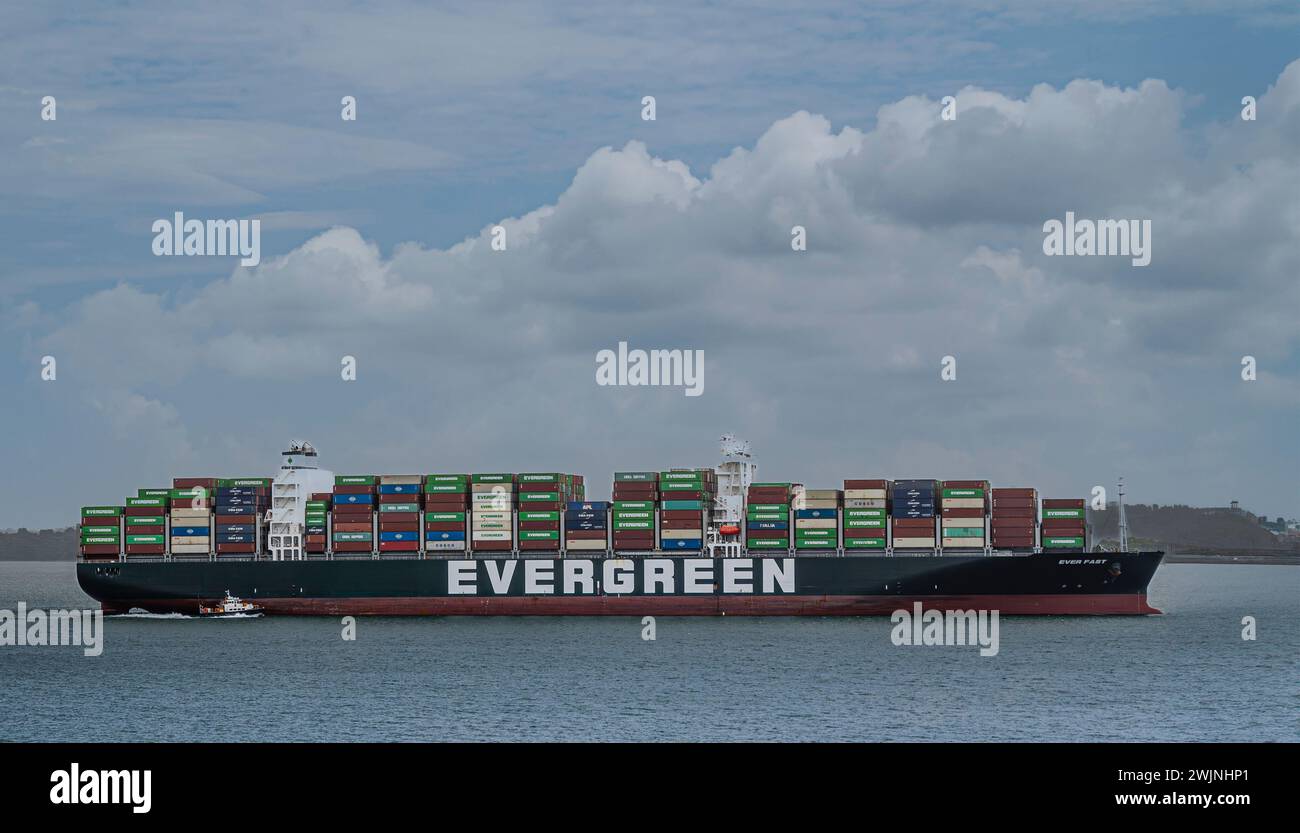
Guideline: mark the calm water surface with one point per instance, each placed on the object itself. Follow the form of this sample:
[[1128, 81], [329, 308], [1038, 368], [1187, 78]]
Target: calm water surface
[[1187, 675]]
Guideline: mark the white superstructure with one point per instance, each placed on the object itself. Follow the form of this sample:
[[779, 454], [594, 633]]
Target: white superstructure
[[299, 477], [736, 471]]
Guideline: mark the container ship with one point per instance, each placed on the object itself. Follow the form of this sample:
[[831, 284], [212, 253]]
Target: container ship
[[682, 541]]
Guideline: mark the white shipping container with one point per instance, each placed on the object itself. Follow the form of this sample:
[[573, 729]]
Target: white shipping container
[[190, 514], [864, 503], [491, 535], [444, 545], [479, 523], [864, 494], [586, 544], [491, 488], [963, 543], [963, 503], [809, 503], [697, 532], [822, 494], [967, 522], [815, 523], [401, 479], [914, 543]]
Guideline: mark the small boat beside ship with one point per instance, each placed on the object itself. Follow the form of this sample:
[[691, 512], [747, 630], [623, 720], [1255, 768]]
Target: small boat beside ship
[[231, 607]]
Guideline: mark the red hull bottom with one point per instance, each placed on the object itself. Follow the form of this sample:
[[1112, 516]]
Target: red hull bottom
[[1012, 605]]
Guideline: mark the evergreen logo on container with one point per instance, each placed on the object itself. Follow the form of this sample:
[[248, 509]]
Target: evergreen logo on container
[[661, 368], [179, 236]]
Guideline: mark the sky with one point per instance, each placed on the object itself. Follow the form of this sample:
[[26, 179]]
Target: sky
[[924, 241]]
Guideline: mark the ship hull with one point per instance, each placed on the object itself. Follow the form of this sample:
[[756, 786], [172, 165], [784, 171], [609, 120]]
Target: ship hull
[[1080, 584]]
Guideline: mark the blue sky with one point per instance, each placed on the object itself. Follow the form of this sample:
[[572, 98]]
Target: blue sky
[[474, 113]]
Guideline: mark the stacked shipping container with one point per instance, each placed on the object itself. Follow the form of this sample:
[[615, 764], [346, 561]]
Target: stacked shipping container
[[542, 497], [585, 525], [1013, 518], [1063, 524], [191, 515], [446, 511], [399, 512], [685, 504], [146, 522], [963, 505], [316, 523], [635, 511], [101, 532], [866, 514], [353, 513], [816, 518], [492, 503], [767, 516], [238, 509], [914, 517]]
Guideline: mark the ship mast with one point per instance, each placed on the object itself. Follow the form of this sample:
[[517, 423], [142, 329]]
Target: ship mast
[[1123, 520], [736, 471]]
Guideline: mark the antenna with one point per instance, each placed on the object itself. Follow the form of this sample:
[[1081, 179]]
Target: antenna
[[1123, 520]]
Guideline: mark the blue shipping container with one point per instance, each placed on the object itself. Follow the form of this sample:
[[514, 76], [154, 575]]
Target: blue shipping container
[[437, 535], [816, 513], [399, 536], [341, 500], [398, 489], [598, 506], [189, 531], [682, 544]]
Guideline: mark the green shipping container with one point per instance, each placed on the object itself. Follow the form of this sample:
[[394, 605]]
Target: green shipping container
[[540, 477], [399, 507], [864, 513], [445, 488], [493, 478], [814, 533], [768, 543], [864, 523], [547, 515], [682, 504], [768, 516], [100, 511], [768, 507], [244, 481], [621, 525], [355, 480], [634, 477], [353, 536], [963, 532], [99, 539], [963, 493], [445, 517], [159, 502], [626, 515], [1072, 543], [145, 520], [188, 494], [539, 535], [1062, 513], [98, 530], [538, 497], [864, 543], [152, 492], [146, 539], [633, 504], [446, 478]]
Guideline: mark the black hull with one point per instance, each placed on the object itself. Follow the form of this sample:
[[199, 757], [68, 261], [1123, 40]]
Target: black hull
[[1093, 583]]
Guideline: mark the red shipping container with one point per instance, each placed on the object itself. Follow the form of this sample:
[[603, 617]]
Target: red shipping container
[[864, 533], [145, 549], [1016, 492], [914, 523], [681, 494], [399, 546], [682, 523], [99, 549], [680, 514], [492, 546], [539, 545], [352, 546], [445, 526], [322, 495], [866, 484], [318, 540], [389, 527], [1027, 513], [965, 484], [239, 548], [1063, 503], [533, 525], [147, 511], [584, 534], [1063, 523], [352, 527], [963, 513], [399, 517], [354, 489], [767, 533], [150, 529], [234, 519], [191, 482], [403, 498]]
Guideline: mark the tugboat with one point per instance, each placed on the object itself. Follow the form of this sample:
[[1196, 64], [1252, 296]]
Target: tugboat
[[231, 607]]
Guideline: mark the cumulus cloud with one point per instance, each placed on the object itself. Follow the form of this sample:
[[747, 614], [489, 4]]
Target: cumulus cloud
[[924, 241]]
